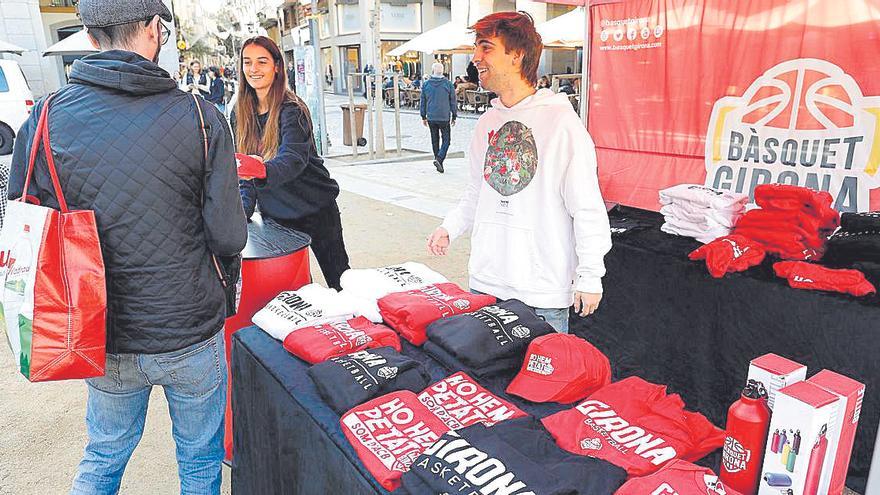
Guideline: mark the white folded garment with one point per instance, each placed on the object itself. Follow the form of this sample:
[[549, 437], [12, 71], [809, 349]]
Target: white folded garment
[[310, 305], [707, 197], [365, 286], [704, 236], [706, 218]]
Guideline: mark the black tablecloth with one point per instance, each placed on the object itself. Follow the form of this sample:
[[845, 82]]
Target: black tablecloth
[[287, 440], [663, 318]]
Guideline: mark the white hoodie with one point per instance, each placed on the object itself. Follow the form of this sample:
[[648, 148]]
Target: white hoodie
[[539, 226]]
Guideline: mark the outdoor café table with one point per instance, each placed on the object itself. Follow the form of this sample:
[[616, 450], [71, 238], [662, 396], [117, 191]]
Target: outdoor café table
[[275, 259], [664, 318]]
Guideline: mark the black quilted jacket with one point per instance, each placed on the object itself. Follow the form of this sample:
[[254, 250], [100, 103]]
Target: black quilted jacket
[[127, 145]]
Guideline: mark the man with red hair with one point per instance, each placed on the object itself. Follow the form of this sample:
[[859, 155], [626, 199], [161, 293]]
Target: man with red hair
[[539, 229]]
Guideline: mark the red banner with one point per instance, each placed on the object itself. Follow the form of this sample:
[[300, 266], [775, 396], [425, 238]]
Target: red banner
[[735, 94]]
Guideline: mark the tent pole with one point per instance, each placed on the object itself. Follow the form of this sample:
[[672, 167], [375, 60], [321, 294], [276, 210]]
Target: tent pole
[[585, 68]]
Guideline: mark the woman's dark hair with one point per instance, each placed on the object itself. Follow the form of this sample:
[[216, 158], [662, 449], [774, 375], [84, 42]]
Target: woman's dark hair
[[216, 71]]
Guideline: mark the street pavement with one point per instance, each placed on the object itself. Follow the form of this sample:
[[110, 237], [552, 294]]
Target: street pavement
[[412, 184]]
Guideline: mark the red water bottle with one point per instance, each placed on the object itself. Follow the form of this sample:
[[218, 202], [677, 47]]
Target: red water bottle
[[748, 421], [817, 461]]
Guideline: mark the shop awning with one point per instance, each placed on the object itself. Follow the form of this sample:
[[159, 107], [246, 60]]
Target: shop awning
[[565, 31], [445, 38], [6, 47], [76, 44]]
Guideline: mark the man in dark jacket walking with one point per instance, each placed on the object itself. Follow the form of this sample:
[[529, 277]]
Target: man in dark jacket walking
[[128, 145], [437, 107]]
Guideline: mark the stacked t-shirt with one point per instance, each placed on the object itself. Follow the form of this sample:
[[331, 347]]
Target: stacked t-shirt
[[694, 210], [319, 343], [515, 457], [410, 312], [366, 286], [677, 478], [857, 240], [634, 424], [308, 306], [460, 402], [345, 381], [792, 223], [488, 341], [389, 432]]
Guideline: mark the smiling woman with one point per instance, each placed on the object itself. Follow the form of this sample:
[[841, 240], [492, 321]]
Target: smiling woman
[[273, 125]]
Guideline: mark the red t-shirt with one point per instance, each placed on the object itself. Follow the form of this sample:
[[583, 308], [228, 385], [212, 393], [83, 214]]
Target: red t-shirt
[[635, 425], [389, 432], [677, 478], [319, 343], [460, 402], [412, 311]]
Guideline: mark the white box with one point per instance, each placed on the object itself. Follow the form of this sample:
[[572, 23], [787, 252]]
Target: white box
[[806, 412], [775, 372]]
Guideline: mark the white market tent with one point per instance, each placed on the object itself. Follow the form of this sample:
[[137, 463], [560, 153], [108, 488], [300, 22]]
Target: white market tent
[[565, 31], [76, 44], [446, 38], [6, 47]]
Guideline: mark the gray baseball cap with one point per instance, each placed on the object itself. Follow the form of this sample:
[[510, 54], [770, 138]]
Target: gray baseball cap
[[104, 13]]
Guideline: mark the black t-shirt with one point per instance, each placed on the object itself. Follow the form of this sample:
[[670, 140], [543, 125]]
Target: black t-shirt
[[858, 222], [496, 368], [346, 381], [494, 333], [514, 456], [846, 247]]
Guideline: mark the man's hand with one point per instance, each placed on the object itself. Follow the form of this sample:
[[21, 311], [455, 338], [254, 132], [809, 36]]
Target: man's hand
[[438, 242], [452, 123], [586, 303], [425, 122]]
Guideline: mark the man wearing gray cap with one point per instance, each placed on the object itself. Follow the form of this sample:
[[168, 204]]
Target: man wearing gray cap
[[128, 144]]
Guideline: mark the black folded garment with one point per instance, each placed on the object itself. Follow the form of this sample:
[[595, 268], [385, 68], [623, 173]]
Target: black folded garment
[[514, 456], [347, 381], [495, 333], [450, 362], [859, 222], [622, 225], [849, 247]]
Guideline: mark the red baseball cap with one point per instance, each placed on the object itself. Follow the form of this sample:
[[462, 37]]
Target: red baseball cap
[[250, 167], [560, 368]]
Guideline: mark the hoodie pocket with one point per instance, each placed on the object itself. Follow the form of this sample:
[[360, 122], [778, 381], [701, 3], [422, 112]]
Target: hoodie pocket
[[504, 254]]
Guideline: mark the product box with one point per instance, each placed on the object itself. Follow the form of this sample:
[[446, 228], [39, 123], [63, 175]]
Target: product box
[[797, 443], [775, 372], [842, 431]]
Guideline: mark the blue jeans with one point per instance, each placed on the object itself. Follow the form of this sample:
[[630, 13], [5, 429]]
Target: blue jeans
[[194, 380], [556, 317]]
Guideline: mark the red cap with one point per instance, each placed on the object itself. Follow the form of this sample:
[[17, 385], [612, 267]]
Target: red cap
[[560, 368], [249, 166]]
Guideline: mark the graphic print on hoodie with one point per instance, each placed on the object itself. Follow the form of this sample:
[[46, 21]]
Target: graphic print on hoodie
[[511, 158]]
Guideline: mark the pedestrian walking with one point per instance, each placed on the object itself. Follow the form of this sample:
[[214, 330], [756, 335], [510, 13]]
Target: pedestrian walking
[[128, 145], [273, 125], [539, 228], [197, 81], [217, 96], [438, 110]]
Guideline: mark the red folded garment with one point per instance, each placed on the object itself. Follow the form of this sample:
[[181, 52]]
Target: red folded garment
[[796, 217], [785, 197], [811, 238], [774, 241], [412, 311], [319, 343], [808, 276], [635, 425], [728, 254]]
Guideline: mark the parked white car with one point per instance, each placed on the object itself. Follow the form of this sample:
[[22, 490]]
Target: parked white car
[[16, 102]]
